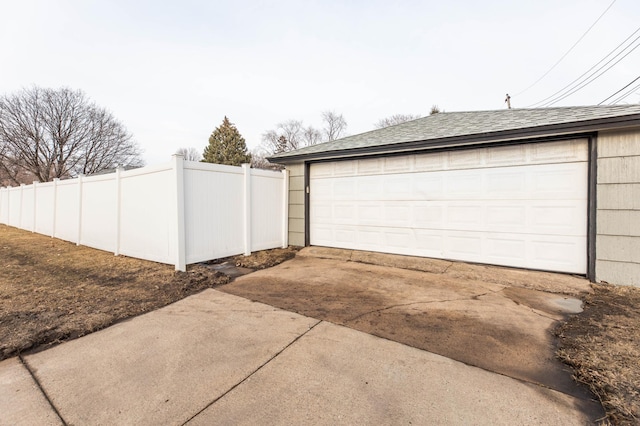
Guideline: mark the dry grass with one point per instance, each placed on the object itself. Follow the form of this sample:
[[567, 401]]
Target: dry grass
[[52, 290], [602, 345]]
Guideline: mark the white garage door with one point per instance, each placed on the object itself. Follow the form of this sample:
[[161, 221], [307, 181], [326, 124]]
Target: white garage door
[[522, 205]]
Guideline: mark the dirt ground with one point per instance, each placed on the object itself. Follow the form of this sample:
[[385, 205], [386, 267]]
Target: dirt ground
[[52, 290]]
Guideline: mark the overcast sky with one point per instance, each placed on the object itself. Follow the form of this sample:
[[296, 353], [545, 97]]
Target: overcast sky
[[170, 71]]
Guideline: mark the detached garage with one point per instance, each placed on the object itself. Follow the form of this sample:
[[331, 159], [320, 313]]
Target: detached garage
[[516, 188]]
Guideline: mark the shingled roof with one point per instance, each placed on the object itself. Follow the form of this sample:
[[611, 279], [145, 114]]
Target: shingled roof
[[449, 129]]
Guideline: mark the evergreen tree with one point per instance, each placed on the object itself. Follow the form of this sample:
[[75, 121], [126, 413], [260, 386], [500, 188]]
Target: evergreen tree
[[226, 146]]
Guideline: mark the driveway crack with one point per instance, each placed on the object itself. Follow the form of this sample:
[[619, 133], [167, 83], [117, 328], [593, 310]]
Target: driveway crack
[[252, 373], [426, 302], [44, 393]]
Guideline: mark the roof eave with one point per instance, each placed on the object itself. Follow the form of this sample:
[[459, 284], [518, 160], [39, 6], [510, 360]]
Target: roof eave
[[563, 129]]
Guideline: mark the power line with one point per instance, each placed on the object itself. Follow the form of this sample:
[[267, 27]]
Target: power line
[[554, 97], [587, 82], [568, 51], [632, 81], [624, 95]]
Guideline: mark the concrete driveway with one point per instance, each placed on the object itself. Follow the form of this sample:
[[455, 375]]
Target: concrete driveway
[[216, 358]]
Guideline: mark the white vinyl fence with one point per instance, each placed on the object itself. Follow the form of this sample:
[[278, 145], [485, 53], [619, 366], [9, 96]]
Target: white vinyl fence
[[178, 213]]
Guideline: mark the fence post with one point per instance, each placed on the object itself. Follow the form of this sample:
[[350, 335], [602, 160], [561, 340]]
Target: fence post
[[55, 206], [80, 176], [8, 205], [181, 255], [246, 168], [35, 204], [21, 207], [116, 250], [285, 209]]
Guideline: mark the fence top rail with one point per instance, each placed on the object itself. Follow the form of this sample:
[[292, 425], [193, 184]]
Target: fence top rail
[[268, 173], [66, 182], [145, 170], [210, 167], [99, 178]]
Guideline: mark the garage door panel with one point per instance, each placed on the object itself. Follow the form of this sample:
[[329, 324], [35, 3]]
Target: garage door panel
[[429, 186], [564, 218], [466, 159], [344, 189], [370, 166], [369, 188], [465, 216], [506, 184], [402, 164], [429, 215], [322, 191], [508, 217], [558, 182], [437, 205], [397, 187], [322, 170], [399, 215], [369, 214], [462, 245], [560, 254], [506, 155], [506, 250], [463, 185], [344, 168], [344, 213], [560, 152], [430, 162]]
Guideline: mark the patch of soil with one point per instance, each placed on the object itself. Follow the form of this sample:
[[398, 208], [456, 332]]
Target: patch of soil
[[52, 291], [265, 258], [602, 345]]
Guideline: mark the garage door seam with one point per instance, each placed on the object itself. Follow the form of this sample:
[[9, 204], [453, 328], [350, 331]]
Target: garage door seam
[[252, 373]]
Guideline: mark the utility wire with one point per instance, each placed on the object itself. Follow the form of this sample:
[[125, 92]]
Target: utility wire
[[632, 81], [569, 86], [568, 51], [590, 80], [623, 96]]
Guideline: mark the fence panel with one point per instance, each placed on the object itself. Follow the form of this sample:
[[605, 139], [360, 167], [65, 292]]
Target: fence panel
[[99, 212], [67, 210], [168, 213], [45, 193], [213, 198], [147, 214], [15, 206], [28, 207], [267, 209]]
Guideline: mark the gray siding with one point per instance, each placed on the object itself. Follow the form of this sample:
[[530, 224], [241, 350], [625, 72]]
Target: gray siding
[[296, 204], [618, 208]]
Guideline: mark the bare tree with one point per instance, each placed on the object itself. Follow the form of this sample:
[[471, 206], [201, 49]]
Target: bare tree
[[49, 133], [189, 154], [334, 125], [311, 136], [286, 137], [395, 119], [292, 134], [435, 109], [259, 160]]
